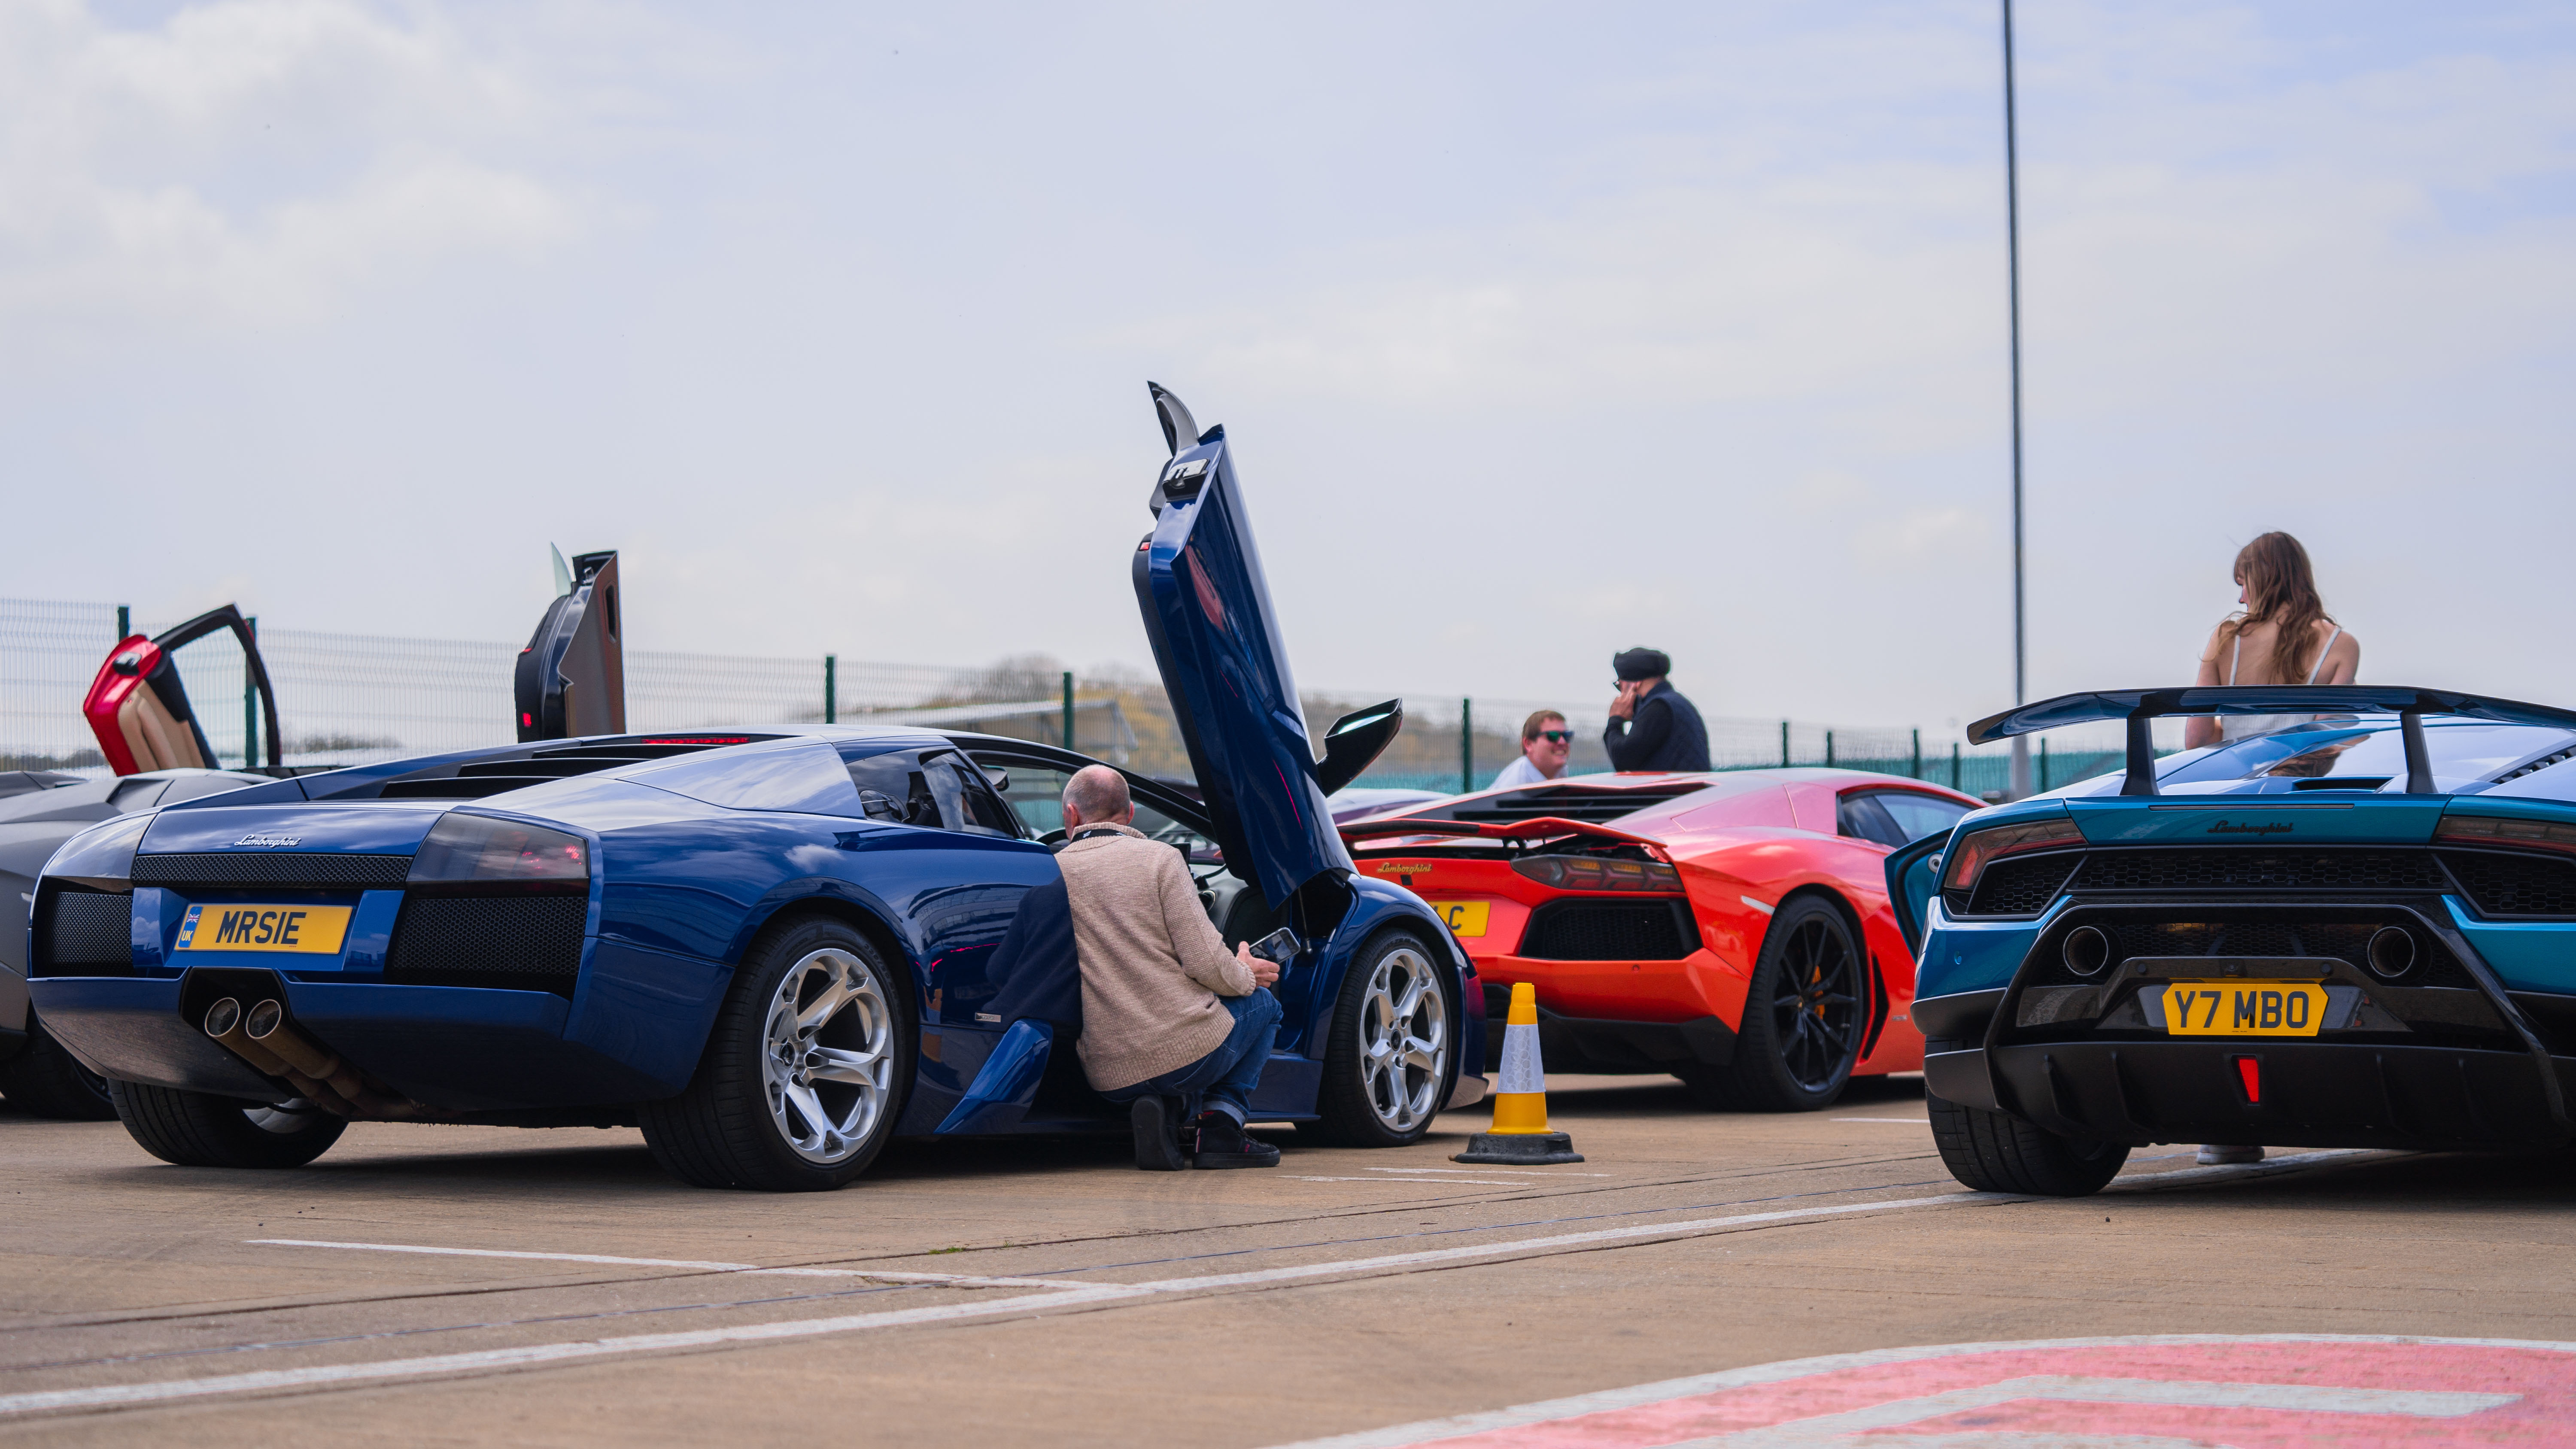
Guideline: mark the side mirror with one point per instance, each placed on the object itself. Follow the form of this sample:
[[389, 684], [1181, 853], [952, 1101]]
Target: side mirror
[[880, 807], [1355, 741]]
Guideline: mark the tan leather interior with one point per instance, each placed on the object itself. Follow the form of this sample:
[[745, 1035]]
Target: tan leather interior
[[158, 741]]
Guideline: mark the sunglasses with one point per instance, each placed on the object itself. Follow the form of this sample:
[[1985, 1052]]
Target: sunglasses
[[1557, 737]]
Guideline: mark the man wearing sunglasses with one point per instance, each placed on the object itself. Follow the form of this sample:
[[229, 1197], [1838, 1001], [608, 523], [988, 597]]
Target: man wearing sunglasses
[[1651, 726], [1545, 742]]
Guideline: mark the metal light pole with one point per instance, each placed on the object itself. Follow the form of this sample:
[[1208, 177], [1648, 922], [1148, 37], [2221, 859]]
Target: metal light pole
[[2020, 782]]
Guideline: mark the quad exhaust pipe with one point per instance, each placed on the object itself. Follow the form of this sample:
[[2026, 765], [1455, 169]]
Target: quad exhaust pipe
[[264, 1038]]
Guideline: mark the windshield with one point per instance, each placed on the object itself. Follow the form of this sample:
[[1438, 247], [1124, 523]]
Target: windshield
[[2367, 752], [1037, 795]]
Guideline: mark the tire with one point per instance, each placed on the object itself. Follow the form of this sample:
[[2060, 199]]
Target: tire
[[200, 1129], [810, 994], [1992, 1152], [1804, 1016], [1393, 1045], [44, 1080]]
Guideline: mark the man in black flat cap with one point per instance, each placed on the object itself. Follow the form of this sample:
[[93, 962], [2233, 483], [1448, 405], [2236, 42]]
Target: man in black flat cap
[[1651, 726]]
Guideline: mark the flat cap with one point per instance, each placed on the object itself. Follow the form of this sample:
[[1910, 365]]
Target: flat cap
[[1642, 663]]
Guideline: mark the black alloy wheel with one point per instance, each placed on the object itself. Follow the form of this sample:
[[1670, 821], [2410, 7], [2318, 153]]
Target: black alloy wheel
[[806, 1071], [44, 1080], [200, 1129], [1803, 1017], [1992, 1152]]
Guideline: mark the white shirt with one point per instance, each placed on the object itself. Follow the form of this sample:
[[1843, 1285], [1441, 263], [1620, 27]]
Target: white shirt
[[1518, 772]]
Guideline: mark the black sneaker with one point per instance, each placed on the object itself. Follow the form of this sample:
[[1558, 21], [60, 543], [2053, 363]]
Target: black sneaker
[[1158, 1148], [1222, 1143]]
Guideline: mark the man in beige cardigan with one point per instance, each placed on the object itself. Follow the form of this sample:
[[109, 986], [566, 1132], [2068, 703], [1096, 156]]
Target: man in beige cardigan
[[1171, 1021]]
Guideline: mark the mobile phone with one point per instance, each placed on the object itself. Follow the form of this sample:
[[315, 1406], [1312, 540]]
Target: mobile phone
[[1280, 948]]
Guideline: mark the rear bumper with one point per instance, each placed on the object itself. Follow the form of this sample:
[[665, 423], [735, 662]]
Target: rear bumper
[[1679, 990], [461, 1048], [1610, 1046], [2312, 1094]]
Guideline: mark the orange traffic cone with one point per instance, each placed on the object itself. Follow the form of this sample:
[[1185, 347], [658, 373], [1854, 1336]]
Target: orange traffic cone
[[1520, 1132]]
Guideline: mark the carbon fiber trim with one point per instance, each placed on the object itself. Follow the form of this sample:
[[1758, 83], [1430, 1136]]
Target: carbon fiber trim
[[309, 870]]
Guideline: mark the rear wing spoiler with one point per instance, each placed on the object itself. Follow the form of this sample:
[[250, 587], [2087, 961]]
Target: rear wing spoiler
[[2138, 706], [1539, 827]]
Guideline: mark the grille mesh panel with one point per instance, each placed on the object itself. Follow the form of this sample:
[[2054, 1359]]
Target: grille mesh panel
[[522, 943], [1588, 930], [310, 870], [2020, 887], [2515, 885], [2222, 868], [2343, 940], [89, 932]]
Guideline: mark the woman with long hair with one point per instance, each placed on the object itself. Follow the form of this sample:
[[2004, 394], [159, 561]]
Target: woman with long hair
[[2282, 634]]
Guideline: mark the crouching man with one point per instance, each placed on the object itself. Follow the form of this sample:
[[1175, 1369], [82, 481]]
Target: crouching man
[[1170, 1019]]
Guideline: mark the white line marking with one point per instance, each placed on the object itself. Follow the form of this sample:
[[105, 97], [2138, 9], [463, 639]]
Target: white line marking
[[959, 1280], [1432, 1431], [1422, 1181], [487, 1360], [1764, 908], [1512, 1171]]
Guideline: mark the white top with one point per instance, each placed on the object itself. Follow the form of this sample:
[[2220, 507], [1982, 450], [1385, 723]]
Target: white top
[[1518, 772], [2234, 727]]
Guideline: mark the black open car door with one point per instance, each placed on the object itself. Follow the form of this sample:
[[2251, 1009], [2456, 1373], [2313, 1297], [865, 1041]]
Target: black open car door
[[1913, 876], [571, 679]]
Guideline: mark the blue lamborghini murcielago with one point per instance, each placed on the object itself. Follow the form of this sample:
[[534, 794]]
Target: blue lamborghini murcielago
[[772, 949], [2354, 929]]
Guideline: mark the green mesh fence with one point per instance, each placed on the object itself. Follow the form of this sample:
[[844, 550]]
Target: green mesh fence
[[353, 698]]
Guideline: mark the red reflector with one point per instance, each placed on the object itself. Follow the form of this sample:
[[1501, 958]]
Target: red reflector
[[2252, 1072], [526, 718]]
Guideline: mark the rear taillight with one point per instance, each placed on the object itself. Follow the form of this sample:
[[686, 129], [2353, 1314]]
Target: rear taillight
[[1981, 848], [2507, 831], [1599, 873], [483, 851]]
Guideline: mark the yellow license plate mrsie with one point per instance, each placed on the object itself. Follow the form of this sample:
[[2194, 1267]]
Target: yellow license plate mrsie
[[313, 930]]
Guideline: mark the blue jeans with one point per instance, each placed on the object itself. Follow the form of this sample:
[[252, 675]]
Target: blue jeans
[[1224, 1078]]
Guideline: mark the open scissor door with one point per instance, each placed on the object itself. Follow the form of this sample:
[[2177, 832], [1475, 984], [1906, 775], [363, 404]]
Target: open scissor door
[[1216, 640], [139, 708], [571, 679]]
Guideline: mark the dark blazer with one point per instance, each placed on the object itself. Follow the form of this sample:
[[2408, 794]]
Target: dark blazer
[[1665, 733]]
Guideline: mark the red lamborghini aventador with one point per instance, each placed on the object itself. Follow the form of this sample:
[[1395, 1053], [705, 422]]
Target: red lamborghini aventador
[[1730, 928]]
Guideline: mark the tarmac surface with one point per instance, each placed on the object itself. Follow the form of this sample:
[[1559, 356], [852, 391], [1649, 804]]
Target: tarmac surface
[[1700, 1278]]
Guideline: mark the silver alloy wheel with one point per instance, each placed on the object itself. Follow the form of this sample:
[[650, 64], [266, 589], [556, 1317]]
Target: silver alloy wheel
[[1404, 1039], [827, 1056]]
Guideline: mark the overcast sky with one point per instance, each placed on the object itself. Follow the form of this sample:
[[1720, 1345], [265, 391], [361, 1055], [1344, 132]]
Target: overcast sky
[[1540, 330]]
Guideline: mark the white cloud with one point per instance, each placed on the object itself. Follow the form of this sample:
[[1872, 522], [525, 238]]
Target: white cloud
[[252, 162], [1542, 335]]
